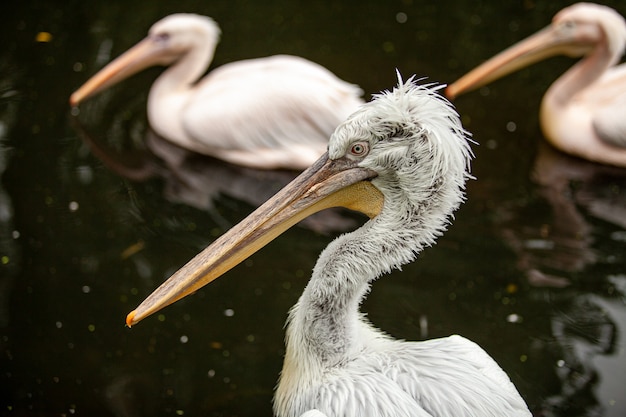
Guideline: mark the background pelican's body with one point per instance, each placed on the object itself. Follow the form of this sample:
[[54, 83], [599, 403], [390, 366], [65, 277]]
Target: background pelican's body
[[582, 113], [274, 112], [408, 149]]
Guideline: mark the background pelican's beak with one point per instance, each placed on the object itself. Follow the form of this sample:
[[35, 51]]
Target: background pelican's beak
[[543, 44], [141, 56], [328, 183]]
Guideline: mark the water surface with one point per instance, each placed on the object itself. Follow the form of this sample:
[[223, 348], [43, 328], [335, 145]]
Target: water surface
[[92, 219]]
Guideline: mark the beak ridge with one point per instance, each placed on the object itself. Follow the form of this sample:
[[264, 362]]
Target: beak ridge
[[328, 183]]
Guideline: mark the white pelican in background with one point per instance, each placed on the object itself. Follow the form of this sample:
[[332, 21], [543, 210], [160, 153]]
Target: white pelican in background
[[274, 112], [583, 112], [403, 160]]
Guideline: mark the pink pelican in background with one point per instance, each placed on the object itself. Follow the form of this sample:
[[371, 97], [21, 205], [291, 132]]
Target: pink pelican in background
[[583, 113], [273, 112]]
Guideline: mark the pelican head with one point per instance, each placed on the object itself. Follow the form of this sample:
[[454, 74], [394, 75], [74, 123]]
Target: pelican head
[[575, 31], [168, 41], [402, 159]]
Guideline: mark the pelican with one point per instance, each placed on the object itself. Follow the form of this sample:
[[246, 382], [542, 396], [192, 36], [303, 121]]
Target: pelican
[[273, 112], [402, 159], [582, 113]]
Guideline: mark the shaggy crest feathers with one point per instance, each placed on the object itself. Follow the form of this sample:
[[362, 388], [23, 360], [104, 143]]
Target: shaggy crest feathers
[[421, 153], [419, 149]]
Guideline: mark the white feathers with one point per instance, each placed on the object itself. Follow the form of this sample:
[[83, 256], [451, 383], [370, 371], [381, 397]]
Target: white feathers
[[336, 362]]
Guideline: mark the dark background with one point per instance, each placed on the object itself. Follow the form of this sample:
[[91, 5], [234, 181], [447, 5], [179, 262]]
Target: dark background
[[91, 220]]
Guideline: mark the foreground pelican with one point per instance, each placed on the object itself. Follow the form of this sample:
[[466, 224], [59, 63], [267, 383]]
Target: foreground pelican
[[582, 113], [274, 112], [403, 160]]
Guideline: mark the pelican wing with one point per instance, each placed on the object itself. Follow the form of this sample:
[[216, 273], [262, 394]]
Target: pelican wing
[[610, 124], [450, 376], [453, 376], [607, 101], [279, 109], [365, 392]]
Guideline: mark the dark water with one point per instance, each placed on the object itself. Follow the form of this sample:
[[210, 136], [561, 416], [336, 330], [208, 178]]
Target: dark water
[[92, 220]]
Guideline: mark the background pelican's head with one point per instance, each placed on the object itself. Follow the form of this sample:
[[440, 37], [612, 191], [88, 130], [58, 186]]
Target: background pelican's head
[[176, 34], [583, 25]]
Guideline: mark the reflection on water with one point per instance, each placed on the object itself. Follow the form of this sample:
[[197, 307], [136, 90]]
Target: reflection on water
[[198, 181], [95, 216], [9, 249], [570, 191], [554, 251]]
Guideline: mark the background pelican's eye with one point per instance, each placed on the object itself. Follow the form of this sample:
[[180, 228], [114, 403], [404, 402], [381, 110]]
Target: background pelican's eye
[[162, 37], [568, 25], [359, 149]]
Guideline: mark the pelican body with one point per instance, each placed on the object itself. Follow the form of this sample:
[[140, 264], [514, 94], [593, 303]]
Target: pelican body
[[582, 113], [273, 112], [403, 160]]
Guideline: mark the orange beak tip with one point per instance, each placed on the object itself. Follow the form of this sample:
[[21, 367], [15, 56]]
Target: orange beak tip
[[130, 318], [449, 93]]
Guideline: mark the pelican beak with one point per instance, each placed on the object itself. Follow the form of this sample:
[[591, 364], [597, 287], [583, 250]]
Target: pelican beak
[[328, 183], [145, 54], [550, 41]]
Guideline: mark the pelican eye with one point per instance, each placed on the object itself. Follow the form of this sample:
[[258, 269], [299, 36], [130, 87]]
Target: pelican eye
[[359, 149], [568, 25], [162, 37]]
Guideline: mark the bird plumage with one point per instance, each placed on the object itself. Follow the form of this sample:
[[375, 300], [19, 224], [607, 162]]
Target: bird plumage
[[403, 159], [335, 360]]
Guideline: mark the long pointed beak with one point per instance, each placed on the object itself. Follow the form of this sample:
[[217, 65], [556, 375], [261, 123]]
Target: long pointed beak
[[141, 56], [328, 183], [543, 44]]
